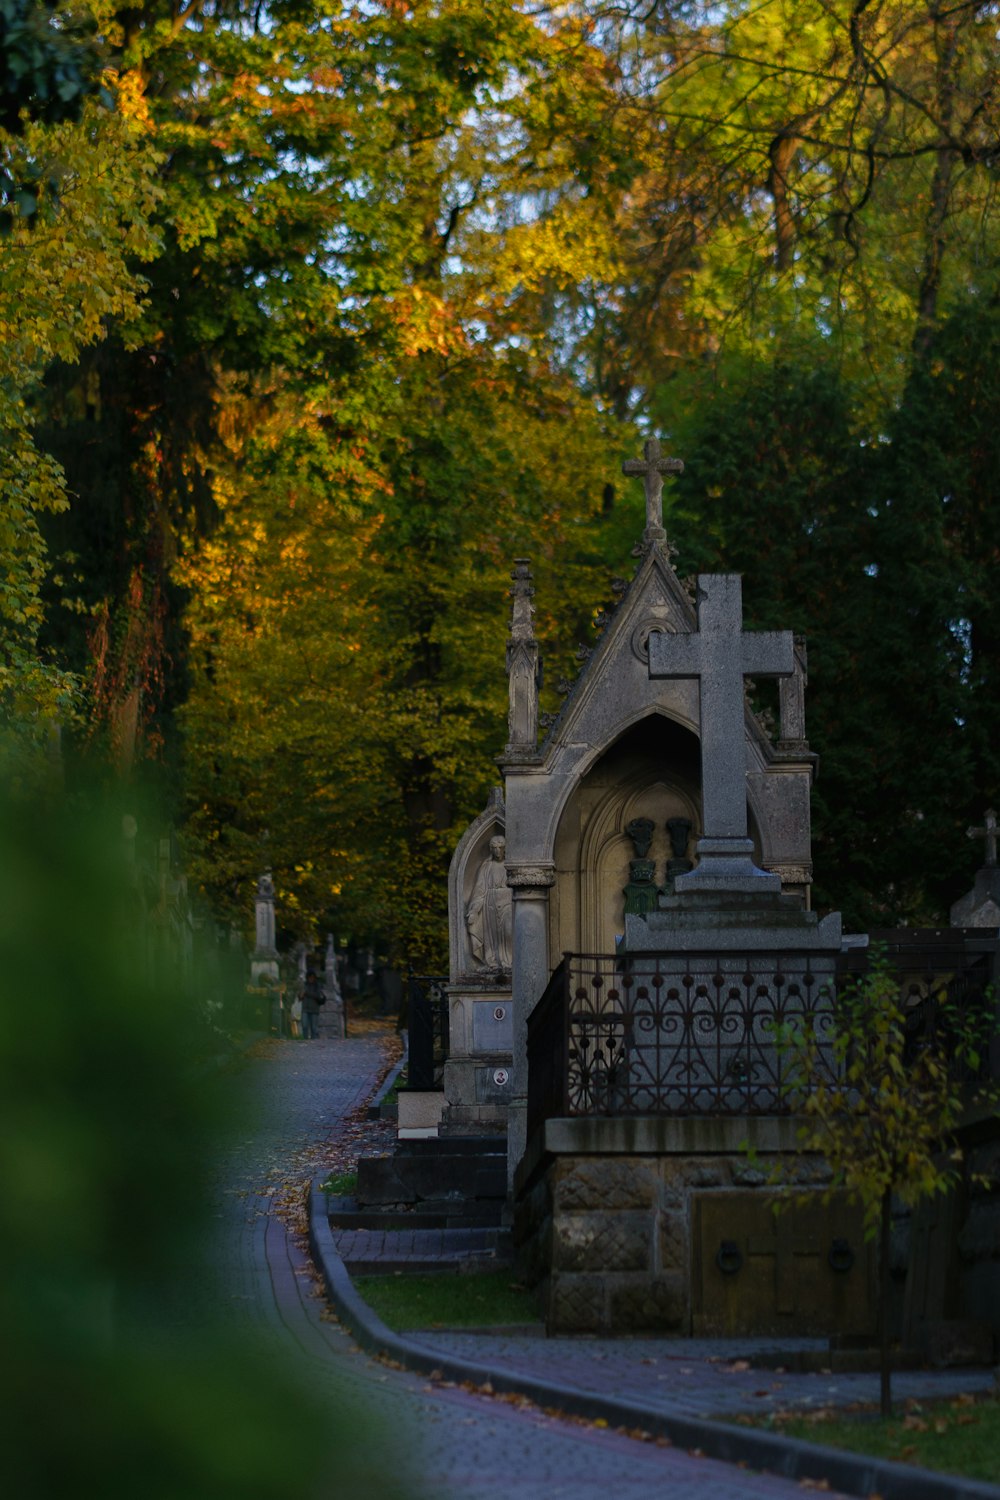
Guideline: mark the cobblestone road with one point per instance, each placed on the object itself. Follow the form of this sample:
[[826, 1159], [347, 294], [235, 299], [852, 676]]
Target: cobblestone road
[[453, 1444]]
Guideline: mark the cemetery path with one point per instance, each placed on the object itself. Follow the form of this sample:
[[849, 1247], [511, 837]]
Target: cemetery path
[[448, 1444], [698, 1377]]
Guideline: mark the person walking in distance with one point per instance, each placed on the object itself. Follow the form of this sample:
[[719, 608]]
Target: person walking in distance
[[312, 999]]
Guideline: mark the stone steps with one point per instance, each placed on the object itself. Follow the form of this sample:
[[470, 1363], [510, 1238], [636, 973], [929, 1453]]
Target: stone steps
[[456, 1175], [371, 1252], [344, 1213], [434, 1205]]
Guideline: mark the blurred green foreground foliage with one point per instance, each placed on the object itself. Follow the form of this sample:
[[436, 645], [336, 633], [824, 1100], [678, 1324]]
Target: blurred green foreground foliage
[[111, 1124]]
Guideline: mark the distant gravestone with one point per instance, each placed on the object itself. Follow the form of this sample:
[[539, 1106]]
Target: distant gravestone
[[980, 907], [264, 963], [332, 1016]]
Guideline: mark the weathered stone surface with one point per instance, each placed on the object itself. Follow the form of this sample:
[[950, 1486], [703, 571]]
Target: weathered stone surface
[[984, 1165], [674, 1242], [981, 906], [601, 1242], [532, 1210], [575, 1304], [411, 1179], [721, 655], [954, 1342], [605, 1185], [683, 1172], [534, 1254], [699, 1137], [980, 1236], [749, 1177], [643, 1305]]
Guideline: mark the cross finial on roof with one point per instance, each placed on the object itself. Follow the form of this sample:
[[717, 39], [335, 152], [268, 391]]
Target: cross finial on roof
[[989, 833], [652, 466]]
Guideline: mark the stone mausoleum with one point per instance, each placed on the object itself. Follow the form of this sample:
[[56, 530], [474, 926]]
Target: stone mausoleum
[[630, 922]]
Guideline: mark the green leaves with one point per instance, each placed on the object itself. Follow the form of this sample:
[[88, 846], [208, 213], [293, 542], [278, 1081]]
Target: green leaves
[[880, 1108]]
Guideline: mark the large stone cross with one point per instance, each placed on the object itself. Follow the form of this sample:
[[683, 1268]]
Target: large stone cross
[[721, 654], [652, 467], [989, 833]]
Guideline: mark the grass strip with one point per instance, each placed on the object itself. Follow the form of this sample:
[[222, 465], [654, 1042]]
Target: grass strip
[[959, 1436], [341, 1184], [474, 1299]]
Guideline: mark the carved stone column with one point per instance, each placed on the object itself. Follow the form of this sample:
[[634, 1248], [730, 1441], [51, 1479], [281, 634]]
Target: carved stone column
[[530, 884]]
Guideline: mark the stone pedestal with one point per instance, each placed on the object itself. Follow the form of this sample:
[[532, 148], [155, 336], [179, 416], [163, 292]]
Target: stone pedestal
[[478, 1080], [746, 914], [665, 1225], [419, 1113], [658, 1219]]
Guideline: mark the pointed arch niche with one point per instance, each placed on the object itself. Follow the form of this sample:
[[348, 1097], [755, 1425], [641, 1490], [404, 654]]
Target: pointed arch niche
[[653, 770]]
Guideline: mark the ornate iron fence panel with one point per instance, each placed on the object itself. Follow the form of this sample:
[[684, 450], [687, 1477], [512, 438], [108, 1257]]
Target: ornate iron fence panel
[[702, 1034], [427, 1018], [948, 985], [665, 1037]]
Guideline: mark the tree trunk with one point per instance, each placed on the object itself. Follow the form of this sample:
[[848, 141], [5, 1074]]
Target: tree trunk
[[945, 161]]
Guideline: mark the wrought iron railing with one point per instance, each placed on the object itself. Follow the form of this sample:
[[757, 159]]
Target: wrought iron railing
[[948, 985], [658, 1035], [610, 1037], [428, 1030]]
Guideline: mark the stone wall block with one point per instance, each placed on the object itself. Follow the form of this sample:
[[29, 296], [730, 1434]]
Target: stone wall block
[[674, 1242], [746, 1176], [980, 1236], [534, 1255], [647, 1304], [714, 1172], [602, 1242], [605, 1185], [984, 1167], [575, 1304]]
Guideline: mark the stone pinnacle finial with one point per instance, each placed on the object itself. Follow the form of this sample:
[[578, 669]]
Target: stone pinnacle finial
[[652, 467], [521, 627], [989, 833]]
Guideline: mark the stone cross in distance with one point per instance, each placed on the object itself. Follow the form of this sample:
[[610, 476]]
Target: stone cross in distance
[[720, 654], [652, 467], [989, 833]]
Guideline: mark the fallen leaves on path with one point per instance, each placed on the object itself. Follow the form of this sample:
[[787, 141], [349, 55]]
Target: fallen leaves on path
[[350, 1138]]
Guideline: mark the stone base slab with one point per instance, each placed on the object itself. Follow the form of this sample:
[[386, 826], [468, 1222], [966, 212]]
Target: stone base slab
[[477, 1092], [666, 1225], [419, 1111]]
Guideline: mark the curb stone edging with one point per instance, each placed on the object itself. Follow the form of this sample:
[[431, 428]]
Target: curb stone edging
[[787, 1458], [385, 1087]]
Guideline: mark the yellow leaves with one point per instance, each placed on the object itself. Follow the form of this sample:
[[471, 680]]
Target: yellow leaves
[[130, 96], [572, 244], [326, 78], [246, 86], [425, 322]]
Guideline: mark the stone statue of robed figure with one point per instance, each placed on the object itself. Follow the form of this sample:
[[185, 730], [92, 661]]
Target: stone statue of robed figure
[[488, 914]]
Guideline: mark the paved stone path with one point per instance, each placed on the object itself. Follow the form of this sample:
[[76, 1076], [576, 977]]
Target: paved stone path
[[696, 1377], [452, 1444]]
